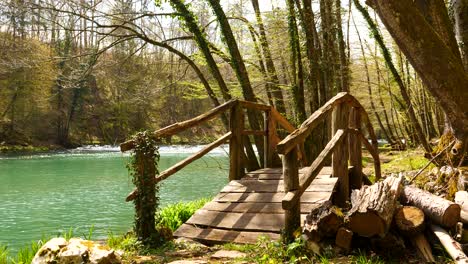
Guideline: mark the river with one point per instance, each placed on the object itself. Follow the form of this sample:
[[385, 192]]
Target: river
[[47, 194]]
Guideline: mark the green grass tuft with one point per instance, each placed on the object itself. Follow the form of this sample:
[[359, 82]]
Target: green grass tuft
[[174, 215]]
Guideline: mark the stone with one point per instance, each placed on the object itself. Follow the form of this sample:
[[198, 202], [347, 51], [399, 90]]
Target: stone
[[75, 251], [228, 254], [48, 252]]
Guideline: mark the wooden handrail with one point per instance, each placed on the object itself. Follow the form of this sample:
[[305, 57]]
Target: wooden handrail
[[183, 163], [181, 126], [311, 172], [299, 135]]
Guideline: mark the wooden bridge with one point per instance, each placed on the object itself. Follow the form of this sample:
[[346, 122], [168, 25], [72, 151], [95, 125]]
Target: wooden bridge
[[274, 200]]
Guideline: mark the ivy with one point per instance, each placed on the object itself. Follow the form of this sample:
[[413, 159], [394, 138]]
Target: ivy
[[143, 167]]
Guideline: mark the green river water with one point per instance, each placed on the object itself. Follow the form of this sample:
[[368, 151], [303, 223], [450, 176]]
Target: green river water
[[47, 194]]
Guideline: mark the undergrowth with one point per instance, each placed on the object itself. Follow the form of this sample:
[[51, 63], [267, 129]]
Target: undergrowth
[[174, 215]]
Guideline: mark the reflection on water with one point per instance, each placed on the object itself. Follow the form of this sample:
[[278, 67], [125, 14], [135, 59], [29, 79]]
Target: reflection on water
[[50, 193]]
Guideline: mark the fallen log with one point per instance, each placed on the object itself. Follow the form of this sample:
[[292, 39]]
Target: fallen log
[[453, 248], [439, 210], [323, 221], [373, 207], [410, 222]]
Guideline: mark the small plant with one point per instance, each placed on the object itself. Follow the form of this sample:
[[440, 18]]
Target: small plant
[[90, 233], [26, 254], [174, 215], [267, 251], [362, 258], [4, 254], [128, 243]]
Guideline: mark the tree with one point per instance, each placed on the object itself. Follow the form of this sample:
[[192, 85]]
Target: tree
[[439, 65]]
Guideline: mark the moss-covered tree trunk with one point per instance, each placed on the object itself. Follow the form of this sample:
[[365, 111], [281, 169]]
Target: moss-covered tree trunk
[[143, 168]]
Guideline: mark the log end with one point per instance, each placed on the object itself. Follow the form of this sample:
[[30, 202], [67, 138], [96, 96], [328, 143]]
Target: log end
[[451, 216], [367, 224], [409, 220]]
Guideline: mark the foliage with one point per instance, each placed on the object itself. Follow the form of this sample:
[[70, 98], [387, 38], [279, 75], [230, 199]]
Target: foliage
[[128, 243], [143, 168], [362, 258], [267, 251], [174, 215]]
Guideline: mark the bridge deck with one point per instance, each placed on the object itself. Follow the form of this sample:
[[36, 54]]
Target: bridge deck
[[248, 208]]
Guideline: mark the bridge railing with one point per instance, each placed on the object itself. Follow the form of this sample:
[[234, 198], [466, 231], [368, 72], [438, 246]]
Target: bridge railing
[[348, 118], [235, 136]]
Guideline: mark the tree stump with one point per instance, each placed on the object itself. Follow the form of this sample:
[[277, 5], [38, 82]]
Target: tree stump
[[373, 207]]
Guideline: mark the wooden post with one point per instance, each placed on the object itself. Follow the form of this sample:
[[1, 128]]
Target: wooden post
[[355, 152], [340, 155], [292, 216], [236, 146], [270, 139]]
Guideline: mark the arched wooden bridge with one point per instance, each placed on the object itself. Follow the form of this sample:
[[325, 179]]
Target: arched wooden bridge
[[274, 200]]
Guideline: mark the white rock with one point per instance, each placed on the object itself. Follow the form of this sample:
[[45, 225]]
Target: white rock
[[75, 251], [48, 252]]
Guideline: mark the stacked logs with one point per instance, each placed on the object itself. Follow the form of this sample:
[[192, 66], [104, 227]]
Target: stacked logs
[[387, 213]]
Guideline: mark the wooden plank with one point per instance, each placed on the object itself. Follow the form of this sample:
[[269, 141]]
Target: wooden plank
[[309, 197], [239, 221], [270, 208], [220, 235], [271, 186]]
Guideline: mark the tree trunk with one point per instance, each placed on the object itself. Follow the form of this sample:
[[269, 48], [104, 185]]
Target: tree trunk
[[440, 69]]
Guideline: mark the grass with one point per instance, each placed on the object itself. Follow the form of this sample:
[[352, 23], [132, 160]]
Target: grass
[[24, 255], [174, 215], [408, 160]]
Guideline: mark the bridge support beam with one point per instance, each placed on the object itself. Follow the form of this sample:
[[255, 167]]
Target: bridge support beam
[[340, 117], [291, 183]]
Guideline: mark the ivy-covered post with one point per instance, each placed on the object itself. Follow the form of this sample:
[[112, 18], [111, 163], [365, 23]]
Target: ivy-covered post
[[143, 169]]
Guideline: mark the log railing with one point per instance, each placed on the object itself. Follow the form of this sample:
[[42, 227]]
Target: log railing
[[235, 136], [348, 117]]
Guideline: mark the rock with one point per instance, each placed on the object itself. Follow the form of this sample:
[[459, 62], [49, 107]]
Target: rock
[[75, 251], [48, 252], [228, 254]]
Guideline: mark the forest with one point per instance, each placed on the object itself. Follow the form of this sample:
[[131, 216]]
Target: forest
[[96, 72]]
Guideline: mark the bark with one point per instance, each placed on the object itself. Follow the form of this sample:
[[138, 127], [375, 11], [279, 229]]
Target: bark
[[373, 207], [460, 17], [297, 81], [439, 68], [439, 210], [322, 222]]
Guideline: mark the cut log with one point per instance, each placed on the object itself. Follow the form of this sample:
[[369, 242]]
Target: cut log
[[343, 238], [453, 248], [439, 210], [409, 220], [323, 221], [373, 207], [461, 198]]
